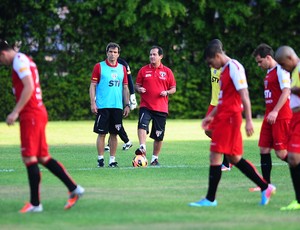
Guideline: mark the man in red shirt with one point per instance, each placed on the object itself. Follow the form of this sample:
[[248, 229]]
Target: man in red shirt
[[275, 126], [33, 118], [227, 119], [155, 82]]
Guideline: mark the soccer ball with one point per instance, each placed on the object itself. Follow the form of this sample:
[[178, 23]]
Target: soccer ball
[[139, 161]]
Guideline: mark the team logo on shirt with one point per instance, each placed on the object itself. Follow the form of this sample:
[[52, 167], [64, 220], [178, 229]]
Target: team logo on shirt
[[118, 127], [162, 75], [158, 133]]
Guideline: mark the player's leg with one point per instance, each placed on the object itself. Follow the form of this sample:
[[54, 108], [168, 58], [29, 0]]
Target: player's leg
[[214, 178], [115, 125], [101, 127], [294, 164], [157, 134], [143, 130], [29, 151], [124, 137]]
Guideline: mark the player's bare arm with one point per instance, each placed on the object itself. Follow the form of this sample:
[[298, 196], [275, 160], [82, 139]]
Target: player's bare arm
[[94, 108], [139, 89], [126, 101], [247, 110], [271, 118], [28, 88], [209, 118]]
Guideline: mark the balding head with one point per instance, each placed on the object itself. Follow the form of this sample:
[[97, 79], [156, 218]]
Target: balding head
[[286, 57]]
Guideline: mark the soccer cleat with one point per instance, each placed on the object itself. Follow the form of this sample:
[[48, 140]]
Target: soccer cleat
[[155, 163], [100, 163], [267, 193], [140, 151], [28, 207], [255, 189], [204, 203], [74, 197], [225, 168], [294, 205], [127, 146], [113, 165], [107, 148]]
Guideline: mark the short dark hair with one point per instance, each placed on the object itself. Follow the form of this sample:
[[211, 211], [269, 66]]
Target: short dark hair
[[212, 49], [4, 45], [263, 50], [160, 50], [216, 42], [113, 45]]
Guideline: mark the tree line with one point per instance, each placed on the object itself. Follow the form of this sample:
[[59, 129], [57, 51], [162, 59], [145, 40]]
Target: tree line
[[67, 37]]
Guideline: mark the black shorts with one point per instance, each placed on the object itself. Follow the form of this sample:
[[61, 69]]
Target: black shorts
[[158, 123], [108, 120]]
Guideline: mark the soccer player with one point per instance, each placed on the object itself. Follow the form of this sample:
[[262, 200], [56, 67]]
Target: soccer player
[[275, 126], [133, 104], [290, 61], [109, 98], [155, 82], [215, 90], [32, 114], [227, 118]]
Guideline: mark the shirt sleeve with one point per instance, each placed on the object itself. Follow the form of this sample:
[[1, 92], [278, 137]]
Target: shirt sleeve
[[21, 65], [96, 74], [125, 79], [283, 78], [238, 75]]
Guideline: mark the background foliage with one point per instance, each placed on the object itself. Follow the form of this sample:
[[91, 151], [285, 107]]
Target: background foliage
[[66, 38]]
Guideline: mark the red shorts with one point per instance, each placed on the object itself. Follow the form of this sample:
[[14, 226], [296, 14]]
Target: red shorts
[[294, 134], [227, 136], [274, 136], [33, 137], [209, 109]]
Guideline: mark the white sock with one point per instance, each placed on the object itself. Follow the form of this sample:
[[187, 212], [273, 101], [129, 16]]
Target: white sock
[[143, 145], [128, 143], [112, 159], [100, 157], [154, 158]]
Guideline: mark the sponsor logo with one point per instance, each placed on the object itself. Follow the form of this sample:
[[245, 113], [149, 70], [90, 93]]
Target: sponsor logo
[[148, 75]]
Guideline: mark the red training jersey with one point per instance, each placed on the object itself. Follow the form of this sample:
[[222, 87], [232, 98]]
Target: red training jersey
[[155, 80], [23, 66], [232, 79], [276, 80]]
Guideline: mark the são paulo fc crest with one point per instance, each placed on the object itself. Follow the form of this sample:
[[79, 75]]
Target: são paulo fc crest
[[158, 133], [162, 75]]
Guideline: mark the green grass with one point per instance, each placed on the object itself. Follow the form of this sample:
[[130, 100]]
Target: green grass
[[139, 198]]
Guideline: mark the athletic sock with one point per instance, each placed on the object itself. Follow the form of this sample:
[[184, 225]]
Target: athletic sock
[[34, 178], [215, 174], [112, 159], [143, 146], [250, 171], [154, 158], [225, 161], [266, 166], [295, 175], [59, 170], [100, 157]]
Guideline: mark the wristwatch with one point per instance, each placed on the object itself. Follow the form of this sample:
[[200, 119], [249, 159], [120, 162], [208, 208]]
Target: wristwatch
[[127, 105]]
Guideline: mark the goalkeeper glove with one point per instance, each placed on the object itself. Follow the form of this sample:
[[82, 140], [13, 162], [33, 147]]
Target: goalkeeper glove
[[133, 103]]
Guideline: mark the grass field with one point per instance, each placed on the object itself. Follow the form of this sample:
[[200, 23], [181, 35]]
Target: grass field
[[139, 198]]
